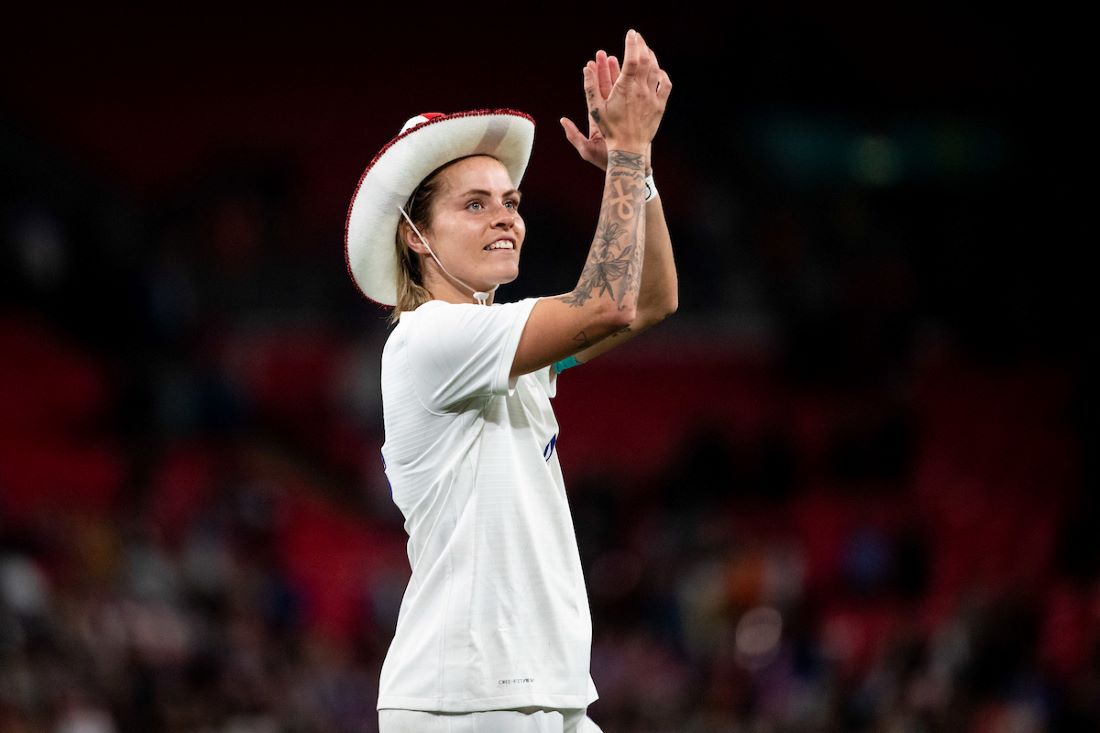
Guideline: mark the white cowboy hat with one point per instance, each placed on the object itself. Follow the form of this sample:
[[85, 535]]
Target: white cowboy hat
[[425, 143]]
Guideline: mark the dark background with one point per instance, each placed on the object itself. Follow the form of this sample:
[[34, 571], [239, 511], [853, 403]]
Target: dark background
[[850, 485]]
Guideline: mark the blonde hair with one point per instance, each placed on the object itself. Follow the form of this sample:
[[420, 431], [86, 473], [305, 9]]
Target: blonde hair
[[411, 293]]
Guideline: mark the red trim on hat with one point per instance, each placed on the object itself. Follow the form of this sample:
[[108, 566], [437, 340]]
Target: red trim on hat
[[434, 117]]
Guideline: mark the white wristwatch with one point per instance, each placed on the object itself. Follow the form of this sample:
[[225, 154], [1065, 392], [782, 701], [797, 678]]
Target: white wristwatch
[[650, 188]]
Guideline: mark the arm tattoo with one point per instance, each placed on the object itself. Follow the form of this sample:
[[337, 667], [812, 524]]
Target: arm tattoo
[[614, 265], [623, 159]]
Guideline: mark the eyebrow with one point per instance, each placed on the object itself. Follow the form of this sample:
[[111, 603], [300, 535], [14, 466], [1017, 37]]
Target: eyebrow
[[483, 192]]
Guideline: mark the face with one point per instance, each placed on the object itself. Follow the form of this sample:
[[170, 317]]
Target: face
[[476, 207]]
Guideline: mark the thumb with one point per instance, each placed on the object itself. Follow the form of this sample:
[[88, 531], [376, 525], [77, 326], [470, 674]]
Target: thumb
[[572, 134]]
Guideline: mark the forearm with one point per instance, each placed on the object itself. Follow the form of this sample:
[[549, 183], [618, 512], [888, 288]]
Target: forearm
[[612, 273], [658, 295], [657, 298], [627, 111]]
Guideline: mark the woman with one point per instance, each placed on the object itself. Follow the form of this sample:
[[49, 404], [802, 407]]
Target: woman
[[494, 632]]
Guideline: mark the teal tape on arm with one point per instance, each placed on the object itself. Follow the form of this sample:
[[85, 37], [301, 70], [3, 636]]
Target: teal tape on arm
[[567, 363]]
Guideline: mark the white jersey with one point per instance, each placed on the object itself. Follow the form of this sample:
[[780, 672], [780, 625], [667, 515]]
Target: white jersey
[[496, 613]]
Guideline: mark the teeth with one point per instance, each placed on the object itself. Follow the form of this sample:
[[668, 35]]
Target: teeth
[[502, 244]]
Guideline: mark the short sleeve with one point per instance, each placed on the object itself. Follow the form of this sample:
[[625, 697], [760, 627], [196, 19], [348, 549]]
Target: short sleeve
[[548, 380], [460, 350]]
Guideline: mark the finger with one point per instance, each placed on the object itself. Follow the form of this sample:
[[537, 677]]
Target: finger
[[590, 84], [572, 134], [596, 103], [631, 54], [645, 55], [576, 139], [654, 76], [592, 98], [603, 73], [643, 49], [613, 64], [664, 88]]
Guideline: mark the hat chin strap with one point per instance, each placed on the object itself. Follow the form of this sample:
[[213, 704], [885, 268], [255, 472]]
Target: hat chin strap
[[481, 297]]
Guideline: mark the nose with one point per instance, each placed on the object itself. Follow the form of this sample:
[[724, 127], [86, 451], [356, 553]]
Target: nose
[[504, 217]]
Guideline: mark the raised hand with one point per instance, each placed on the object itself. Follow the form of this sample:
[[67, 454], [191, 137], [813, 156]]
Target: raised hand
[[601, 73], [641, 94]]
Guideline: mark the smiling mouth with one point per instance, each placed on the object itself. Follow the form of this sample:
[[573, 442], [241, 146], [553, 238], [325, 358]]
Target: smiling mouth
[[500, 245]]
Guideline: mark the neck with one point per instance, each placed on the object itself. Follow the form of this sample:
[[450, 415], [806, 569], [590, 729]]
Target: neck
[[444, 288]]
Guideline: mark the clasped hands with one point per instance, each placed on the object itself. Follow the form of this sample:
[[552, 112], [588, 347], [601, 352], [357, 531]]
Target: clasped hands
[[641, 89]]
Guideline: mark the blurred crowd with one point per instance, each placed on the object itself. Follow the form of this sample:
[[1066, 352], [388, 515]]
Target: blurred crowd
[[854, 491], [922, 567]]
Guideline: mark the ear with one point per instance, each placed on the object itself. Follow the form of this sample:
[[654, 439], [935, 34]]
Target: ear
[[408, 236]]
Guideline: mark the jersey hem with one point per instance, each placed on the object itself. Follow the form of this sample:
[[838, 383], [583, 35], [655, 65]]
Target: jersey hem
[[476, 705]]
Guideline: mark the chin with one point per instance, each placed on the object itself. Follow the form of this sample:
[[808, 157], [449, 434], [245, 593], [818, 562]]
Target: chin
[[507, 276]]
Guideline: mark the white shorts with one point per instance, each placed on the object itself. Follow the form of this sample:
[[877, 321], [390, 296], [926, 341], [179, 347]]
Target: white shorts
[[523, 720]]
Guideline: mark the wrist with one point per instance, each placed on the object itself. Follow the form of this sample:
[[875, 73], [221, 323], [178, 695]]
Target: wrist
[[632, 148], [650, 187]]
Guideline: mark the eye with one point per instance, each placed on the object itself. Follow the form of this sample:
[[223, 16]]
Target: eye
[[513, 202], [474, 203]]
